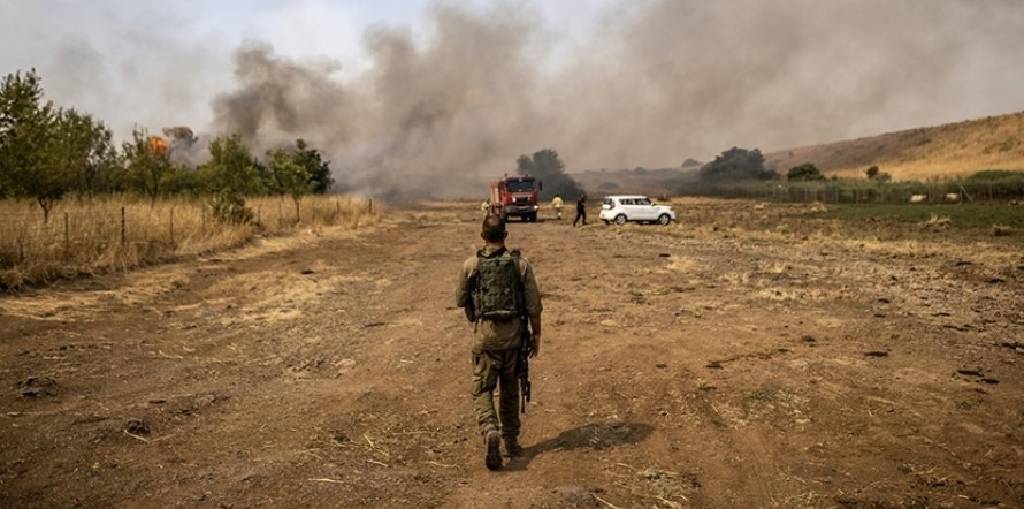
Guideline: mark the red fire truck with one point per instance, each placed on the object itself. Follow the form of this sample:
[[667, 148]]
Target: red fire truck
[[516, 196]]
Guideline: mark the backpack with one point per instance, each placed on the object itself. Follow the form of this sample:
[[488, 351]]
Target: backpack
[[498, 287]]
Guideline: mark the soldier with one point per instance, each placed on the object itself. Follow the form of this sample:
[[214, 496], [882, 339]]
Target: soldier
[[556, 202], [499, 292], [581, 211]]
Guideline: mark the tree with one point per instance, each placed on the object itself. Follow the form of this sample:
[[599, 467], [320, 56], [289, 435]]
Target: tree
[[148, 169], [231, 167], [85, 150], [290, 175], [27, 165], [875, 175], [804, 172], [319, 171], [230, 174], [690, 163], [736, 164], [548, 168]]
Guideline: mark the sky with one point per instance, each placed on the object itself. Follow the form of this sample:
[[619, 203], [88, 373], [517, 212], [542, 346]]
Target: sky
[[391, 89], [123, 60]]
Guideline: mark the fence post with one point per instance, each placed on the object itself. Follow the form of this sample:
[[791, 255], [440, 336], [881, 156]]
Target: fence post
[[67, 236], [337, 210], [172, 226], [371, 206], [124, 240]]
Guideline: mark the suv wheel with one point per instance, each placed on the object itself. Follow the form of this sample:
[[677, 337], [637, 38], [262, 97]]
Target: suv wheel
[[664, 219], [620, 219]]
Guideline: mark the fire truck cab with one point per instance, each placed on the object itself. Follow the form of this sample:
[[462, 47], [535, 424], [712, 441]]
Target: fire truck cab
[[516, 196]]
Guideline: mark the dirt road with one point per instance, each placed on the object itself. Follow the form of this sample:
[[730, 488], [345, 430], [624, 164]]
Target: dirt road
[[699, 365]]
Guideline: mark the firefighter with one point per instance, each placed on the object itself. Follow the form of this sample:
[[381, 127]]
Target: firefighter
[[485, 207], [556, 202]]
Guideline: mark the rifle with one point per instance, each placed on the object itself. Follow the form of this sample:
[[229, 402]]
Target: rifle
[[523, 369]]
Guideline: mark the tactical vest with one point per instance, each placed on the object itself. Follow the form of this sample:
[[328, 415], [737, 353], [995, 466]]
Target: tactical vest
[[498, 292]]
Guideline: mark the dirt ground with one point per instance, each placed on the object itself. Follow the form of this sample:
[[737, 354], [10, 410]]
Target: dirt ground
[[746, 356]]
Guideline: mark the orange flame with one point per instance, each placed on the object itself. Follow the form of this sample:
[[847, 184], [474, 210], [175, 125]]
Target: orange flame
[[157, 145]]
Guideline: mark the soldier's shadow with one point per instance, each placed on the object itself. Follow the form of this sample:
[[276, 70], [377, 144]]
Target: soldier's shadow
[[588, 436]]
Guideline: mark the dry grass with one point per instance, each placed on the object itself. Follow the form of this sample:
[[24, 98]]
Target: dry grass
[[85, 236], [955, 149]]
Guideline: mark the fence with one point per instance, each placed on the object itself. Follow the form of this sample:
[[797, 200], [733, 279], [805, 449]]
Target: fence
[[117, 233], [863, 191]]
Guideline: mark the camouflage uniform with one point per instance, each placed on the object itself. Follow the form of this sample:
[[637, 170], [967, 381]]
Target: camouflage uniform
[[496, 351]]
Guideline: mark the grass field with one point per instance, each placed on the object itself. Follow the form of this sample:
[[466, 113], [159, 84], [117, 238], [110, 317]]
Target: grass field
[[964, 216], [119, 232]]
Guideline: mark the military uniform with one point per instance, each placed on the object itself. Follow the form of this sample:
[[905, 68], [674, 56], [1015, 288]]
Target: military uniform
[[496, 349]]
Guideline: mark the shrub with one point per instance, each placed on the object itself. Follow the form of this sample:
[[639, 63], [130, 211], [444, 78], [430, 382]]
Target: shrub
[[736, 164], [804, 172]]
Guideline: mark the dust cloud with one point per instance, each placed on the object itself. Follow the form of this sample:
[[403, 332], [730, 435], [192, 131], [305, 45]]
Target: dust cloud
[[654, 83]]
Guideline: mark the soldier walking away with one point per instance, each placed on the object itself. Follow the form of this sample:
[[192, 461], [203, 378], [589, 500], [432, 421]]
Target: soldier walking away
[[498, 290], [581, 211], [556, 202]]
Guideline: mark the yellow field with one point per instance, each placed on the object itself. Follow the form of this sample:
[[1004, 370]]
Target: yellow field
[[119, 232], [948, 150]]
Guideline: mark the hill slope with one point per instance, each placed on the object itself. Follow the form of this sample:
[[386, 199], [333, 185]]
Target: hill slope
[[947, 150]]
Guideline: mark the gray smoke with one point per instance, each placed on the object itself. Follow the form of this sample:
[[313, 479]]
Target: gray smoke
[[439, 112], [422, 121], [658, 83]]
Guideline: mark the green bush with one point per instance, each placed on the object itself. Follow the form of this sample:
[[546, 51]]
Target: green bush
[[804, 172], [736, 164], [230, 207]]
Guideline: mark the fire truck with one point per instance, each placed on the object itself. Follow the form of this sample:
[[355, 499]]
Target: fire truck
[[516, 196]]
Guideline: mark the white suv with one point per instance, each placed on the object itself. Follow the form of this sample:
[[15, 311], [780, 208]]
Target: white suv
[[635, 208]]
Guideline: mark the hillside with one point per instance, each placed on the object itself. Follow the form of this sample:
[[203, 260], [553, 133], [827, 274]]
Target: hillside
[[947, 150]]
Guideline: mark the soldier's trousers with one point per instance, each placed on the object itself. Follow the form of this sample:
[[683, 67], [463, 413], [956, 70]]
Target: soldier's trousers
[[496, 369]]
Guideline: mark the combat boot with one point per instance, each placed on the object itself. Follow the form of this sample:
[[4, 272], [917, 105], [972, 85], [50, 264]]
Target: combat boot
[[512, 447], [493, 460]]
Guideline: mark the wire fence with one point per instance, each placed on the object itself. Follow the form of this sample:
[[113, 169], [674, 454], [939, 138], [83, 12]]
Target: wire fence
[[855, 192]]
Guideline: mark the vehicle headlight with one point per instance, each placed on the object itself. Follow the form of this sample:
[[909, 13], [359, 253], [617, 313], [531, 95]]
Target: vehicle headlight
[[535, 207]]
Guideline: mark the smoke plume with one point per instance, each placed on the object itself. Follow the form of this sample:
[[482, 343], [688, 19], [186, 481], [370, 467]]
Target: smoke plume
[[441, 109], [666, 81]]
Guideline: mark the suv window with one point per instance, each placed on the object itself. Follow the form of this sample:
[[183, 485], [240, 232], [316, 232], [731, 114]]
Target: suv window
[[625, 201], [608, 202], [643, 201]]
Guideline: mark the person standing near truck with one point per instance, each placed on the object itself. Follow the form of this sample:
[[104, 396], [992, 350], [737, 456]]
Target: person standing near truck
[[485, 207], [581, 211], [556, 202], [499, 293]]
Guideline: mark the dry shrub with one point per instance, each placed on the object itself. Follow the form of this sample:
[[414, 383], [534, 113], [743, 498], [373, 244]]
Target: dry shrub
[[937, 221], [94, 235]]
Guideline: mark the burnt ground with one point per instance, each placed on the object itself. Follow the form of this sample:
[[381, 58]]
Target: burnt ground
[[743, 357]]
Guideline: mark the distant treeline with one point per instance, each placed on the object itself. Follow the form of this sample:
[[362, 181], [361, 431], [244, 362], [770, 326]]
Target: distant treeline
[[47, 152], [741, 173]]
